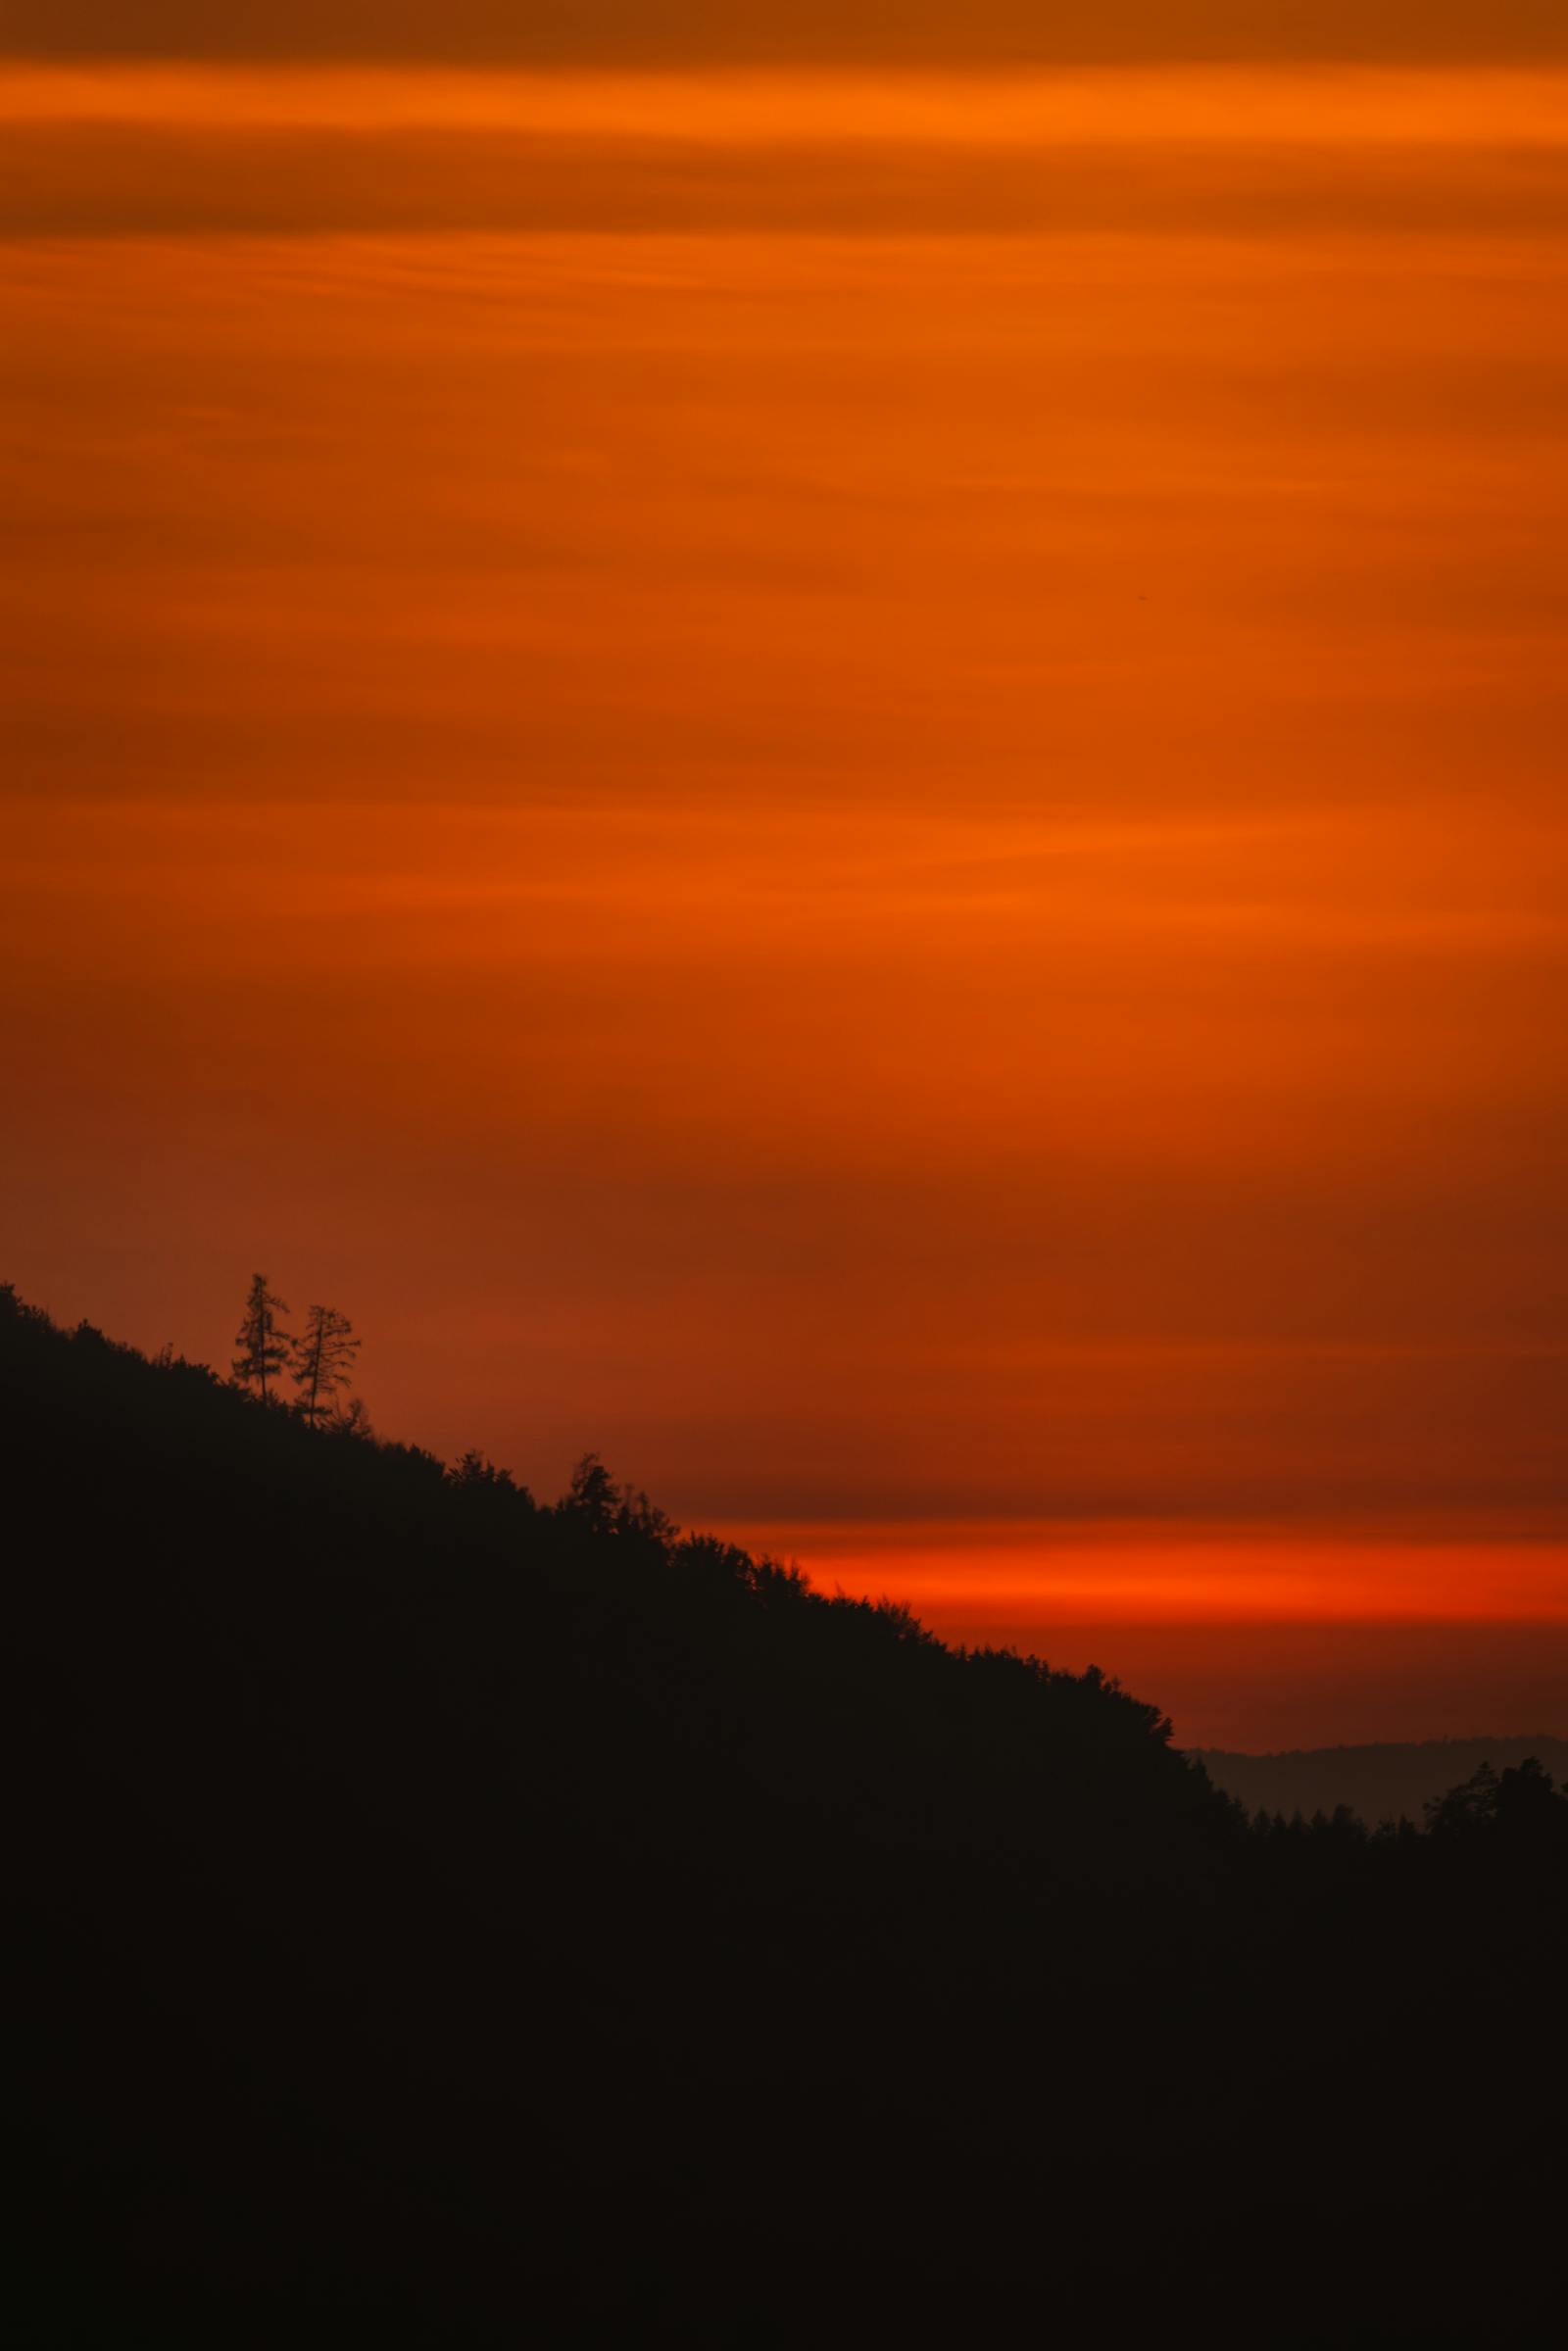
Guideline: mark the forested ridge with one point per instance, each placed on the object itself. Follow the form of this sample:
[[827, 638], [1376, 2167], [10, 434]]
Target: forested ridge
[[456, 1914]]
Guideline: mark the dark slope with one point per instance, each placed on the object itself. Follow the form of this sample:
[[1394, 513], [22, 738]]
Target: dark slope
[[457, 1918]]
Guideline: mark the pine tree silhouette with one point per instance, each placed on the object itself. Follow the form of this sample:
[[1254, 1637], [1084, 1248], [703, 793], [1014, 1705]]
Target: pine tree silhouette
[[263, 1345], [321, 1362]]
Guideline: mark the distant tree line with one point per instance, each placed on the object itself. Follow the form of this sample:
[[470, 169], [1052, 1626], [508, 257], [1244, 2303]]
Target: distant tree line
[[1520, 1802]]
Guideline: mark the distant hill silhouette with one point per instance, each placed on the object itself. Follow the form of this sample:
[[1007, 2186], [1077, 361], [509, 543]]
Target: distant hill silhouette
[[1387, 1782], [450, 1917]]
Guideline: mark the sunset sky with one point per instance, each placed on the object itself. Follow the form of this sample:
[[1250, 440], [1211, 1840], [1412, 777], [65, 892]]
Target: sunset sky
[[833, 757]]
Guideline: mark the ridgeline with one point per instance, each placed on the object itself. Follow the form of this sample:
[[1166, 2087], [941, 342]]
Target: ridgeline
[[452, 1916]]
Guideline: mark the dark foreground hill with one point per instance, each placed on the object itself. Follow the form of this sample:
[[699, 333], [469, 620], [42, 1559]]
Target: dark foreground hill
[[449, 1919], [1390, 1781]]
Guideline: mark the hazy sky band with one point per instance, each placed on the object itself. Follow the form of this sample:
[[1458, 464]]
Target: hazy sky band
[[1240, 151], [780, 31], [1227, 105]]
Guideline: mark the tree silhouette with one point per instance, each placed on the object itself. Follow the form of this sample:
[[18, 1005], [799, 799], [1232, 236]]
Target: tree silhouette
[[321, 1362], [1526, 1791], [599, 1505], [593, 1496], [263, 1345], [1470, 1807], [354, 1421]]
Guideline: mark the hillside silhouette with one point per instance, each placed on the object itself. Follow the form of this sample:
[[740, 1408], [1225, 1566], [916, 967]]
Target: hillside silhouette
[[460, 1917]]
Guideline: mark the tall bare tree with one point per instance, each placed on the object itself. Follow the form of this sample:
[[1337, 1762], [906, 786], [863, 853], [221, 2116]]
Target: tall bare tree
[[322, 1361], [264, 1344]]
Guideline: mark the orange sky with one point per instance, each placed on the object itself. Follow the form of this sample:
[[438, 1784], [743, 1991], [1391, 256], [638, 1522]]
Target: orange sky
[[851, 782]]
